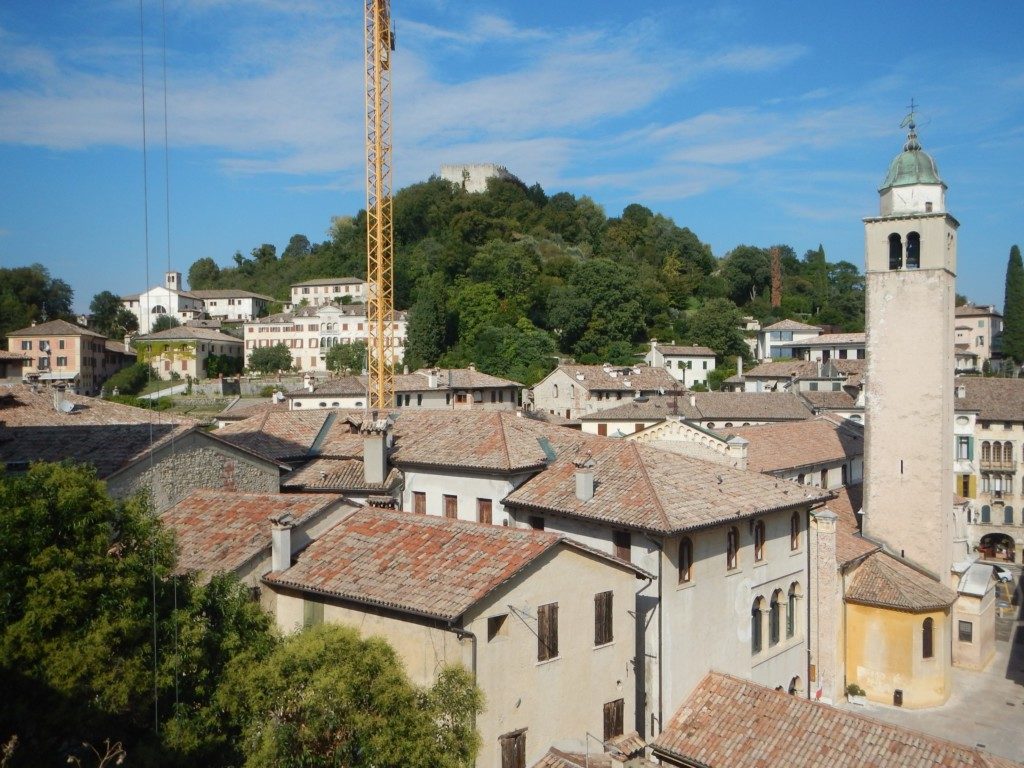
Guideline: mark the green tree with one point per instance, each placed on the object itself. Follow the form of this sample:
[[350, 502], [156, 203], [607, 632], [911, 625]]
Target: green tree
[[271, 359], [326, 697], [29, 294], [717, 324], [1013, 308], [130, 380], [165, 323], [520, 352], [203, 274], [103, 309], [427, 331], [347, 357], [297, 247]]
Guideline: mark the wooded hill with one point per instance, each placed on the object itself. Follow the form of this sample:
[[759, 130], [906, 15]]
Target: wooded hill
[[511, 278]]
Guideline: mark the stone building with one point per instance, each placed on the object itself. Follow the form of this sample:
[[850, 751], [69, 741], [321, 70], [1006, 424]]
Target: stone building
[[573, 391]]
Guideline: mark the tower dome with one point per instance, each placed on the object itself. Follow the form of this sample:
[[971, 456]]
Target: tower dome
[[911, 166]]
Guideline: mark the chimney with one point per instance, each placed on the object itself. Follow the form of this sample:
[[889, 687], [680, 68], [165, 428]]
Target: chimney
[[736, 450], [405, 370], [961, 391], [58, 395], [309, 382], [824, 581], [472, 366], [281, 542], [693, 400], [375, 450], [739, 365], [584, 476], [432, 378]]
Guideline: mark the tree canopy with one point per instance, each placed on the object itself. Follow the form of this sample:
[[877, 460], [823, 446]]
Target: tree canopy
[[1013, 308], [347, 357], [29, 294], [271, 359]]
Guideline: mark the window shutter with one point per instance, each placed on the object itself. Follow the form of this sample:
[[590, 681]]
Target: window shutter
[[603, 632], [972, 487], [970, 449], [613, 719]]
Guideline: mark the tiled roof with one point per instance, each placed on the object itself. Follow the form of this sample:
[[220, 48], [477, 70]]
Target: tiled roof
[[731, 723], [751, 406], [646, 408], [614, 378], [884, 581], [107, 435], [833, 339], [791, 325], [55, 328], [840, 400], [796, 444], [5, 355], [330, 281], [850, 545], [119, 348], [218, 531], [277, 435], [185, 333], [427, 565], [561, 758], [336, 475], [993, 399], [228, 293], [672, 349], [641, 487], [971, 310], [447, 379], [247, 407]]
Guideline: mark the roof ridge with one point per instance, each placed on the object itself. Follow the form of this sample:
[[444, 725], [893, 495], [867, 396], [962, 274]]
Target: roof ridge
[[650, 484]]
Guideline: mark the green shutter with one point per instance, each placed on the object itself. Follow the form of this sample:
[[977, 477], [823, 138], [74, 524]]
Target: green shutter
[[970, 449]]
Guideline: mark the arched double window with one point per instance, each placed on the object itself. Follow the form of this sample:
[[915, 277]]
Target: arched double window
[[732, 548], [756, 616], [685, 560], [913, 251], [775, 618], [759, 540], [895, 252], [927, 638]]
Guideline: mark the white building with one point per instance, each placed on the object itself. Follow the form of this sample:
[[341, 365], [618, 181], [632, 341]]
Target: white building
[[572, 391], [831, 346], [310, 331], [689, 365], [233, 305], [329, 290], [777, 340], [172, 300], [978, 330]]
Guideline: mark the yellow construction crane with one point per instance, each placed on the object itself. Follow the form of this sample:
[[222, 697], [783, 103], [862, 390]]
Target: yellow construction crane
[[380, 42]]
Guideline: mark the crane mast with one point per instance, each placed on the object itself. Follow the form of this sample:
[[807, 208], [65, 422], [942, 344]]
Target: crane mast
[[379, 41]]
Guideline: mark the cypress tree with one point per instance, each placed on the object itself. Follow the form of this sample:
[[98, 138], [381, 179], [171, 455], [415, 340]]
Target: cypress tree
[[1013, 308]]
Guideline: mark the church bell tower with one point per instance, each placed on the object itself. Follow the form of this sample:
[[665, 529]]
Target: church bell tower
[[910, 255]]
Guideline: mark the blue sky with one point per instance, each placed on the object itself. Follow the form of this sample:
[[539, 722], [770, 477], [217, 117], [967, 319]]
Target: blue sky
[[751, 123]]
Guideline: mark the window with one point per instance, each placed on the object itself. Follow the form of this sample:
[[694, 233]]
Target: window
[[759, 541], [927, 640], [26, 345], [613, 712], [312, 613], [451, 506], [547, 631], [419, 502], [986, 451], [775, 618], [483, 511], [622, 544], [685, 560], [913, 251], [963, 486], [513, 750], [603, 618], [965, 631], [1008, 516], [794, 531], [794, 594], [986, 513], [60, 344], [824, 478], [602, 429], [895, 252], [536, 522], [732, 548], [964, 447], [61, 361], [755, 626], [497, 626], [638, 427]]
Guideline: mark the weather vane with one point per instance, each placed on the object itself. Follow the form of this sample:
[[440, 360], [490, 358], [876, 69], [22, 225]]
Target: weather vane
[[909, 119]]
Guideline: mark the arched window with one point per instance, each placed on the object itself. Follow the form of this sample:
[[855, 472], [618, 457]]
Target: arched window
[[791, 608], [159, 310], [775, 618], [895, 252], [732, 548], [685, 560], [794, 531], [1008, 453], [986, 513], [554, 390], [997, 452], [927, 639], [986, 451], [913, 251], [759, 540], [756, 615], [1008, 516]]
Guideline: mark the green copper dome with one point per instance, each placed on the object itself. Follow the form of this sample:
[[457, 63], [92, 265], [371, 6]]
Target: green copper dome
[[911, 166]]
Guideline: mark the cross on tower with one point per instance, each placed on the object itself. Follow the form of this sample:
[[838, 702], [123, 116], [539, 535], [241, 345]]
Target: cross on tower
[[909, 119]]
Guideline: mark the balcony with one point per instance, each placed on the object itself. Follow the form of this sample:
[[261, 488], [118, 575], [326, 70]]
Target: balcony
[[988, 465]]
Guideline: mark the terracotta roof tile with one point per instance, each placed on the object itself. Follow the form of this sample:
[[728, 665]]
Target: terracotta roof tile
[[796, 444], [752, 406], [225, 293], [641, 487], [646, 408], [186, 333], [791, 325], [277, 435], [692, 351], [220, 532], [884, 581], [993, 399], [330, 281], [731, 723], [621, 378], [336, 475], [833, 339], [447, 380], [426, 565], [971, 310], [850, 545], [55, 328], [829, 400]]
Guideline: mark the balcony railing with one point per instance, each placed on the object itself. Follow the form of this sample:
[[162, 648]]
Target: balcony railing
[[1005, 466]]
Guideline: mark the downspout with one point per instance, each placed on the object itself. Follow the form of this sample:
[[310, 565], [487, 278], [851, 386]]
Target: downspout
[[661, 633]]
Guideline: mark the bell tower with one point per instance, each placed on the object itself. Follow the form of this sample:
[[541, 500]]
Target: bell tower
[[910, 258]]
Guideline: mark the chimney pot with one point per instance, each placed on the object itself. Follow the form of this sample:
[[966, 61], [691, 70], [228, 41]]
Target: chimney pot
[[375, 450], [281, 542]]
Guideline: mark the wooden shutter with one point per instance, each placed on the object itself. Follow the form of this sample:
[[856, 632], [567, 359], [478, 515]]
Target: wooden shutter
[[602, 429], [547, 631], [483, 511], [419, 502], [603, 632], [613, 717], [622, 543], [513, 750], [451, 506]]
